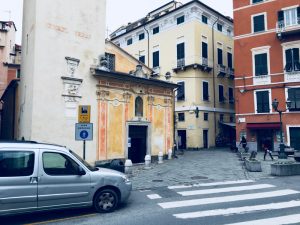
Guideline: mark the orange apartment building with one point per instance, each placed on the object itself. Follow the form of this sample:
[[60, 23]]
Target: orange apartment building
[[267, 67]]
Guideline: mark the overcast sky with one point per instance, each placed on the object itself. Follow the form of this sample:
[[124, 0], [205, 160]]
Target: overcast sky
[[118, 12]]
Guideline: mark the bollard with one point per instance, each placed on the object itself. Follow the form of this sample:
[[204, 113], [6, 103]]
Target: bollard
[[147, 161], [128, 166], [170, 154], [160, 157]]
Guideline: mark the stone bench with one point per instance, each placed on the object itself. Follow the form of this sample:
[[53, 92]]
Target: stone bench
[[253, 165], [285, 168]]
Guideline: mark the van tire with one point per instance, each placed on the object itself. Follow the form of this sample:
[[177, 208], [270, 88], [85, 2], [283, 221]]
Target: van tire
[[106, 201]]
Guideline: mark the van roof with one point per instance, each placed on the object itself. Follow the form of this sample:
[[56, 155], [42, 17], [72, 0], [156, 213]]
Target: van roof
[[32, 144]]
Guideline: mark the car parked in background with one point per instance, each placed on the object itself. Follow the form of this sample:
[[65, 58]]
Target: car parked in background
[[37, 177]]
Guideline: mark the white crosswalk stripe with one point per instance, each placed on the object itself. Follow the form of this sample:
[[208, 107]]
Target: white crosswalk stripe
[[238, 210], [291, 219], [212, 184], [241, 202], [205, 201], [222, 190]]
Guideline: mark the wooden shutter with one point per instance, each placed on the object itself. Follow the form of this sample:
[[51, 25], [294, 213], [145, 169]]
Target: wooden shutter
[[296, 59], [288, 60], [220, 56], [262, 101], [261, 64], [205, 91], [155, 59], [259, 23], [180, 51], [180, 91], [221, 93], [204, 50], [229, 58]]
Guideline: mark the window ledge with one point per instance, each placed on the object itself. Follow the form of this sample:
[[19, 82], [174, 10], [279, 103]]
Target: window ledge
[[292, 77], [262, 80]]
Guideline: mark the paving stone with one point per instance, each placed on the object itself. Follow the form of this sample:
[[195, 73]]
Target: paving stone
[[213, 164]]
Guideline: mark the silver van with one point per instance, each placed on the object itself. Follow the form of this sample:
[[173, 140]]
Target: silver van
[[36, 177]]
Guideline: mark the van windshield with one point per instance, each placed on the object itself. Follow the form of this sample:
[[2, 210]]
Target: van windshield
[[90, 167]]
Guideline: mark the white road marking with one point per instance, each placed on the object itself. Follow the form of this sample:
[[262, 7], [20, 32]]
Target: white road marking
[[154, 196], [291, 219], [212, 184], [205, 201], [228, 189], [238, 210]]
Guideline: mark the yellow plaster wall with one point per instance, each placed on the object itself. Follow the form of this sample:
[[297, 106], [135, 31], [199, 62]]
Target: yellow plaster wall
[[115, 130], [191, 34]]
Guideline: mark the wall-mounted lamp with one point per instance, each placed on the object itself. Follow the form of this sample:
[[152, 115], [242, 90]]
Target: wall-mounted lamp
[[196, 111], [168, 76], [242, 91]]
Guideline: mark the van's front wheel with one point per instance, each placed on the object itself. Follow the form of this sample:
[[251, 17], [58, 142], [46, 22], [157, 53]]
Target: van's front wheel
[[106, 201]]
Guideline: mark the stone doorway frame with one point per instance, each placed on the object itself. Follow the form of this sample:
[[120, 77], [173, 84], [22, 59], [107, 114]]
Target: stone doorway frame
[[148, 141]]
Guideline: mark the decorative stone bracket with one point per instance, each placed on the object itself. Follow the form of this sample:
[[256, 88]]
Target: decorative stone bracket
[[102, 94], [72, 65]]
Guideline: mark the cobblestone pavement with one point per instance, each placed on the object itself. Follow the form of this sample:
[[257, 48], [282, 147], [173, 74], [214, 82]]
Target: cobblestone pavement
[[192, 167]]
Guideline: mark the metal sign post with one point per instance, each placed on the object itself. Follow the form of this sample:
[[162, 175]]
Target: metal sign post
[[83, 132]]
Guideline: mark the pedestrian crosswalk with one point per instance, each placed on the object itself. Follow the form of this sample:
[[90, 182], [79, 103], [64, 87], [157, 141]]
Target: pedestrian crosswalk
[[243, 202]]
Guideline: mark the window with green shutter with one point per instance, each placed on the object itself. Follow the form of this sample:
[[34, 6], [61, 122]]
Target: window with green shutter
[[259, 23], [262, 102], [292, 60], [221, 93], [155, 59], [205, 91], [257, 1], [229, 59], [261, 64], [204, 19], [180, 91], [220, 56], [204, 50], [180, 51], [180, 20], [294, 97]]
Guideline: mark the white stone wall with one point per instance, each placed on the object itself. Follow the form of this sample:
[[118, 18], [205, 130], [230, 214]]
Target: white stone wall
[[52, 31]]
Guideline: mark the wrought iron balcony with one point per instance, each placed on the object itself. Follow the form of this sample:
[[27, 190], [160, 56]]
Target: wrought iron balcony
[[221, 70], [284, 29], [231, 100], [194, 62], [181, 63], [230, 73]]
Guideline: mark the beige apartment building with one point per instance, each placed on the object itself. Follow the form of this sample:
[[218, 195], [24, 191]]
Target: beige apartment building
[[191, 45]]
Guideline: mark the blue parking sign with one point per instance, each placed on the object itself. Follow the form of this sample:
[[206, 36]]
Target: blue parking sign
[[83, 131]]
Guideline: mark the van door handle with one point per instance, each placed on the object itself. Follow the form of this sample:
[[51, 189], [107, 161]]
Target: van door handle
[[33, 180]]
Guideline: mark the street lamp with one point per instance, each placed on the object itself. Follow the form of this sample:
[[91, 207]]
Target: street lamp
[[275, 104]]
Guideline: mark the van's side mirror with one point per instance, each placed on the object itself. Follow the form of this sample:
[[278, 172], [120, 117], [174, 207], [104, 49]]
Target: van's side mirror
[[81, 171]]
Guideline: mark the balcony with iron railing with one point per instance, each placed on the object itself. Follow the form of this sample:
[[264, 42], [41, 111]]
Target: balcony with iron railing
[[195, 62], [221, 70], [284, 28], [231, 100], [230, 73]]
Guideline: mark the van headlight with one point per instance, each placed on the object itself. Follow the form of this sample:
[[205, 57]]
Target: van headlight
[[125, 179]]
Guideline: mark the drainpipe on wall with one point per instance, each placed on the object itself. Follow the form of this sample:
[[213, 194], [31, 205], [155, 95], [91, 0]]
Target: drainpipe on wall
[[214, 78]]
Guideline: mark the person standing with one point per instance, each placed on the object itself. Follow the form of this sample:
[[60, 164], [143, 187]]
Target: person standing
[[267, 151], [244, 143]]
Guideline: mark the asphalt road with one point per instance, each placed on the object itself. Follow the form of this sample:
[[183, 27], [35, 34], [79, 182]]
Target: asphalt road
[[244, 202]]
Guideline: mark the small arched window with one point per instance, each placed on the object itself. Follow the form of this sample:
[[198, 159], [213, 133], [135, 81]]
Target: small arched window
[[138, 106]]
